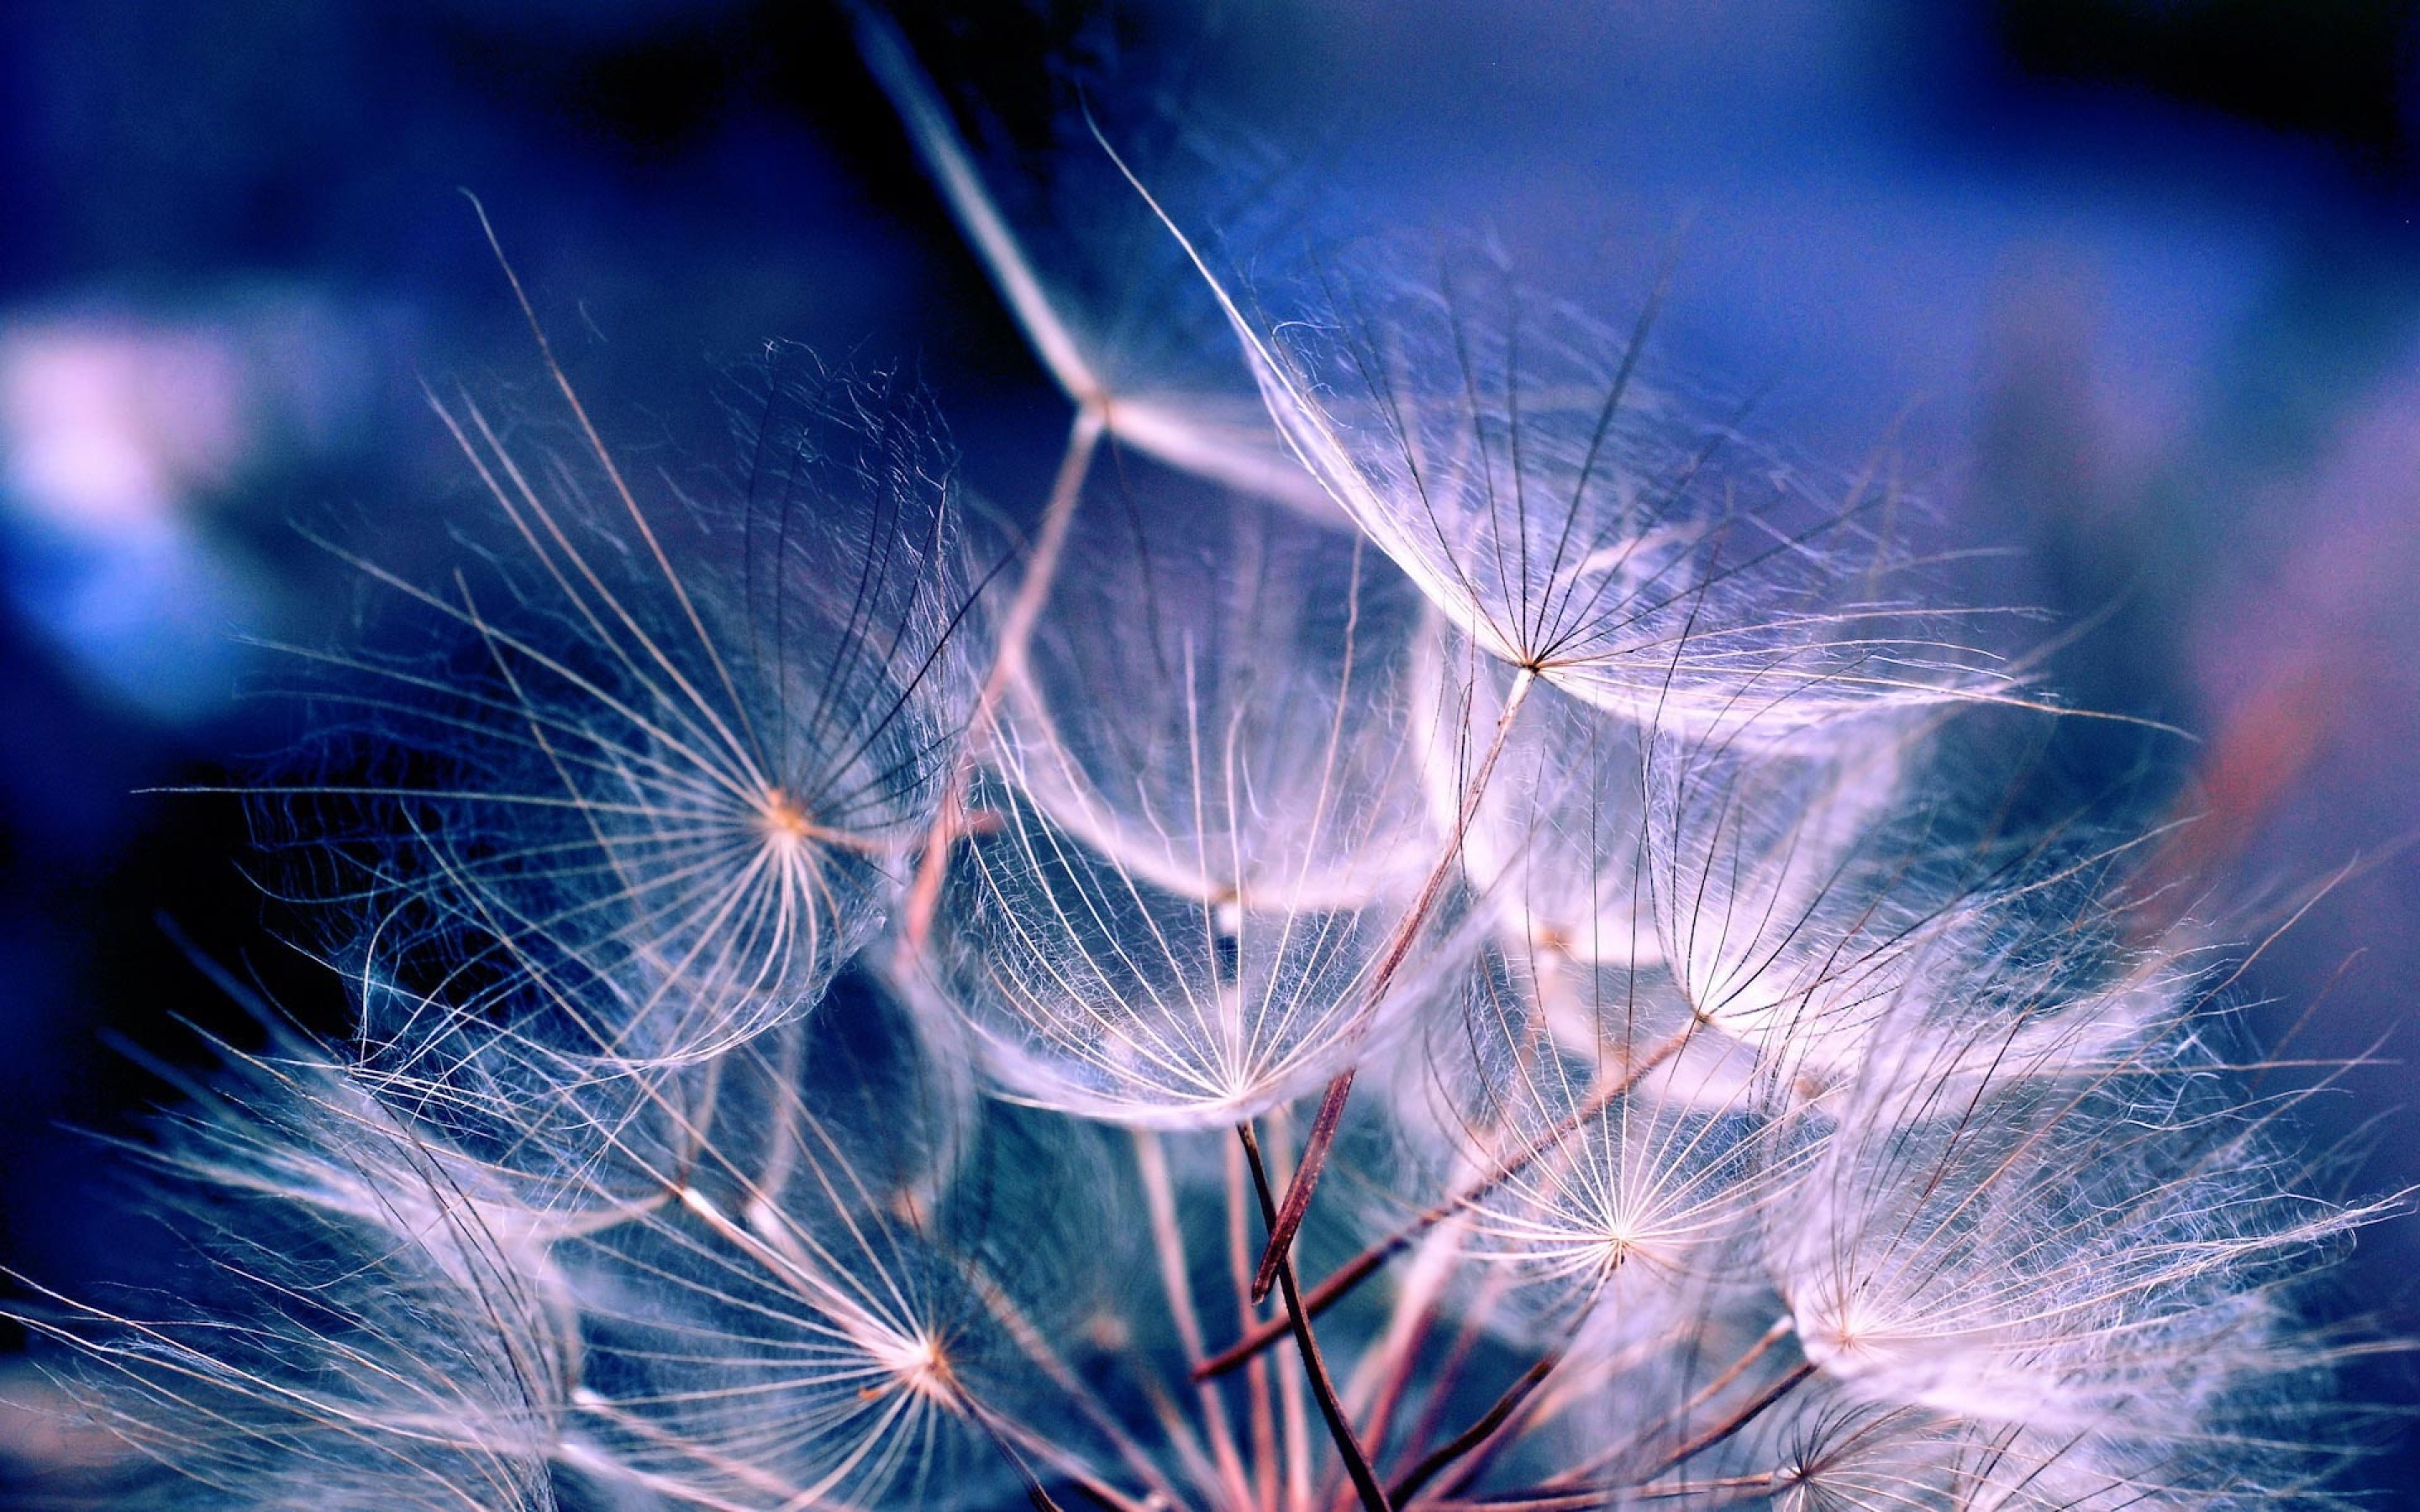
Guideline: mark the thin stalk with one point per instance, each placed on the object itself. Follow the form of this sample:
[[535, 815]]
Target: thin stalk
[[1037, 1348], [1478, 1432], [1588, 1499], [1035, 1496], [1739, 1420], [1579, 1474], [936, 142], [1168, 1239], [1399, 949], [1357, 1464], [1443, 1383], [1293, 1394], [1378, 1421], [1381, 1375], [1008, 661], [1078, 1475], [1239, 1263]]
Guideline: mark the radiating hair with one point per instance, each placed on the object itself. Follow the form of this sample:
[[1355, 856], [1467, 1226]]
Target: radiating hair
[[650, 773]]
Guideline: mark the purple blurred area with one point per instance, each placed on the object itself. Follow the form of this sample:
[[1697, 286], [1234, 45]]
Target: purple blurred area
[[2127, 291]]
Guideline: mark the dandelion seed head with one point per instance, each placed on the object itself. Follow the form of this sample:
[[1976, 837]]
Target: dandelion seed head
[[1092, 990], [1512, 994]]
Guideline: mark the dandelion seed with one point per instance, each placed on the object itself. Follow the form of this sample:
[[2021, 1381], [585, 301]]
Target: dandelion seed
[[1553, 844], [1789, 912], [1240, 739], [1097, 992], [2066, 1249], [369, 1324], [1207, 831], [657, 788], [1570, 524], [1109, 307], [1627, 1180]]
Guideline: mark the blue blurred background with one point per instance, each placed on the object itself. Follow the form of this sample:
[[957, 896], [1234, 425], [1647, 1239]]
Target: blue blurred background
[[2130, 287]]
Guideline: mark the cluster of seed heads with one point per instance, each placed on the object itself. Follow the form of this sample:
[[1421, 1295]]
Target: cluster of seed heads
[[1446, 951]]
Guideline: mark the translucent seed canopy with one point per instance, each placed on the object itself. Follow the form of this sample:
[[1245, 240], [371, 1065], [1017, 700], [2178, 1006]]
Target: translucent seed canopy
[[1601, 1171], [1094, 991], [1791, 901], [2077, 1252], [1574, 520], [825, 1314], [647, 792], [1219, 698], [362, 1316]]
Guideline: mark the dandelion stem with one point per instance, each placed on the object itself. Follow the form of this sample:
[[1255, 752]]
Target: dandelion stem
[[1393, 1374], [1008, 662], [1262, 1414], [1357, 1464], [1035, 1496], [1169, 1240], [1738, 1420], [1383, 1377], [1399, 949], [1443, 1386], [1553, 1497], [1478, 1432], [1578, 1473], [1035, 1346], [1285, 1221], [937, 143]]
